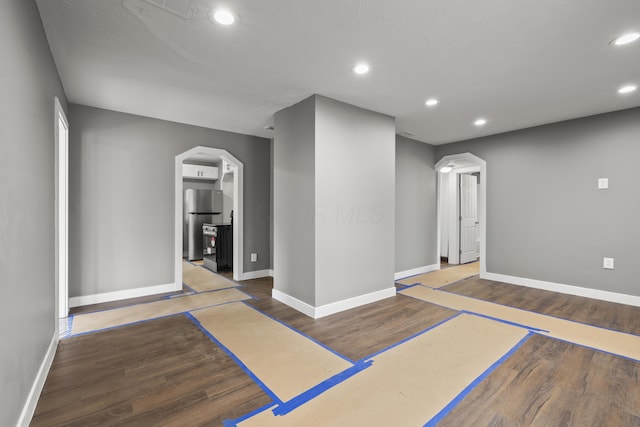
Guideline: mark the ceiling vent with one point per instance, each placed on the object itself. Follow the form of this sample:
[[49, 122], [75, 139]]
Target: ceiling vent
[[182, 8]]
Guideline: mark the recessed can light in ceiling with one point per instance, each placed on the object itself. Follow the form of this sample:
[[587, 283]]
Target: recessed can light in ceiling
[[626, 38], [446, 169], [480, 122], [431, 102], [222, 16], [361, 68], [627, 89]]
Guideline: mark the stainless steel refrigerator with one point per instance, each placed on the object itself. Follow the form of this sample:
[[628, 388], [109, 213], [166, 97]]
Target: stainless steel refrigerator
[[201, 206]]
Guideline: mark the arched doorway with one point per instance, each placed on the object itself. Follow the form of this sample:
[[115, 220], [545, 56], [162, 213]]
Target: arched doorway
[[447, 215], [238, 210]]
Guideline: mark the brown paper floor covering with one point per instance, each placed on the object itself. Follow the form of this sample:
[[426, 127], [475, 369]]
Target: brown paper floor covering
[[410, 383], [439, 278], [286, 361], [202, 280], [610, 341], [121, 316]]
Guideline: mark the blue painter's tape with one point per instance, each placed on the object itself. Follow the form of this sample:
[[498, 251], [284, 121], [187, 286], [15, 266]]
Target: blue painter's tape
[[315, 391], [184, 285], [542, 314], [244, 367], [591, 348], [419, 274], [507, 322], [409, 338], [234, 423], [413, 286], [301, 333], [445, 411], [67, 331]]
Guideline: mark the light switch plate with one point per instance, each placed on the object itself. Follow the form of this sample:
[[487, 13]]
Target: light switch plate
[[603, 183], [608, 263]]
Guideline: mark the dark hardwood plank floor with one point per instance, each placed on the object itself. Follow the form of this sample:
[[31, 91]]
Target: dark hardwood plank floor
[[361, 331], [167, 372], [554, 383], [162, 372], [609, 315]]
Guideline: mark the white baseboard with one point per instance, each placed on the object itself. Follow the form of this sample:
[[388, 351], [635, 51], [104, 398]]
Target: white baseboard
[[34, 394], [124, 294], [293, 302], [334, 307], [566, 289], [255, 274], [415, 271]]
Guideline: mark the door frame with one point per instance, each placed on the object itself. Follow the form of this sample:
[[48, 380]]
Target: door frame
[[462, 163], [238, 210], [61, 172]]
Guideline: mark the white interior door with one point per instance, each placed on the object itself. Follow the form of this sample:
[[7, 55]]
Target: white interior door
[[468, 218]]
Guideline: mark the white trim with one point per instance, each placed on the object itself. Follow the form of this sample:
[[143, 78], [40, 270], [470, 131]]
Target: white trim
[[633, 300], [61, 210], [293, 302], [255, 274], [238, 209], [415, 271], [38, 383], [120, 295], [334, 307], [349, 303]]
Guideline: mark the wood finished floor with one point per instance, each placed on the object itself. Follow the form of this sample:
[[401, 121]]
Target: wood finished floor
[[167, 372], [609, 315]]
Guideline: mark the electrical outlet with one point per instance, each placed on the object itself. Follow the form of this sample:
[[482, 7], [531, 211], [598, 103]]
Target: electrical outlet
[[608, 263], [254, 257]]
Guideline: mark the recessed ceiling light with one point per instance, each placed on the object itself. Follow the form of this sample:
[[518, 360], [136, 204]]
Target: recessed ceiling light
[[446, 169], [627, 89], [361, 68], [480, 122], [626, 38], [431, 102], [223, 16]]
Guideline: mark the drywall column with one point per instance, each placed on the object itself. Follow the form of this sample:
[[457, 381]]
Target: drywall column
[[294, 201], [334, 190], [355, 199]]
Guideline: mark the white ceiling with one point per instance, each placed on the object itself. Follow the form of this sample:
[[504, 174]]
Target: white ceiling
[[519, 63]]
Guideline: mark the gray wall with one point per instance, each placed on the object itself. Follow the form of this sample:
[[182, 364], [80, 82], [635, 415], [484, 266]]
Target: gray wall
[[415, 204], [294, 201], [546, 219], [355, 187], [121, 197], [334, 185], [28, 82]]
